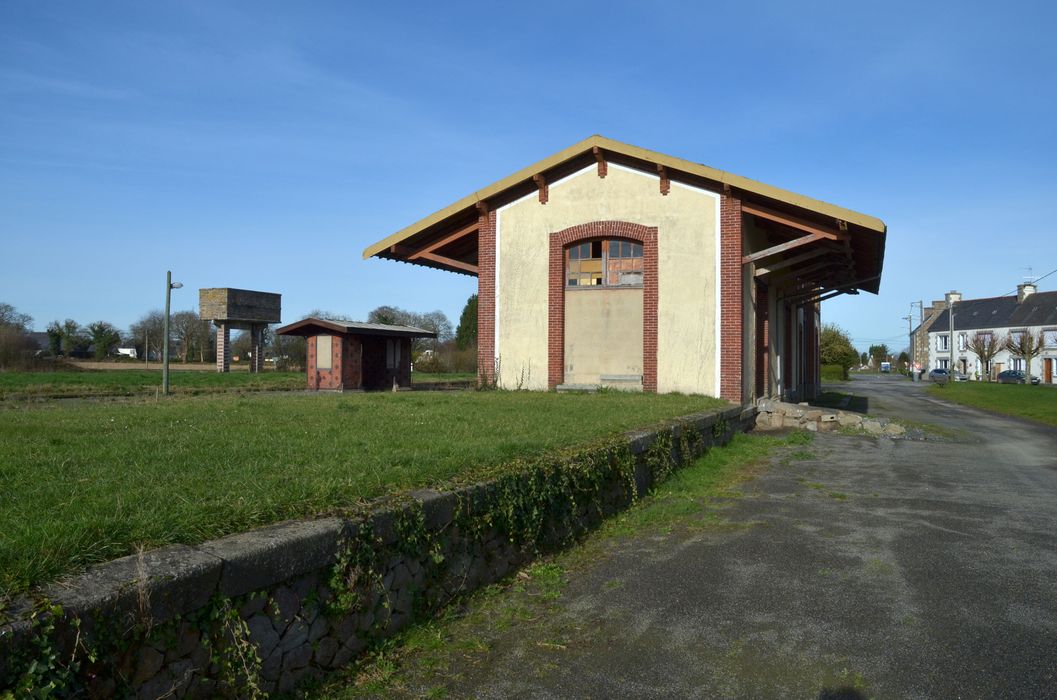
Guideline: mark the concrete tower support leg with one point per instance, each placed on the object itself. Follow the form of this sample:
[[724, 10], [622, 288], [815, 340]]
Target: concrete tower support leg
[[257, 359], [223, 347]]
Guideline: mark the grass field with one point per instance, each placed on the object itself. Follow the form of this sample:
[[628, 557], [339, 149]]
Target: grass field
[[91, 481], [140, 382], [1038, 403], [133, 382]]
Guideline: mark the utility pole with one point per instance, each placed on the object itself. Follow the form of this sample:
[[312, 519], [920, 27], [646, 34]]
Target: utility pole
[[910, 334], [169, 286], [950, 369]]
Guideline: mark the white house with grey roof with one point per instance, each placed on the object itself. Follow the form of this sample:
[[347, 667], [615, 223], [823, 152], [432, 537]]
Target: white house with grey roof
[[1028, 312]]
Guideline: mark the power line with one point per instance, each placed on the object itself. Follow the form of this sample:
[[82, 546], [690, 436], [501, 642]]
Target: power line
[[1009, 294]]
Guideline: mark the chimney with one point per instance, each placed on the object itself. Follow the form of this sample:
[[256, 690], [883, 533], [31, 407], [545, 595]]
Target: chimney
[[952, 296], [1025, 290]]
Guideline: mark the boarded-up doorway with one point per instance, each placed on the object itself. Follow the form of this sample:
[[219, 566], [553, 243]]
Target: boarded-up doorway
[[603, 337]]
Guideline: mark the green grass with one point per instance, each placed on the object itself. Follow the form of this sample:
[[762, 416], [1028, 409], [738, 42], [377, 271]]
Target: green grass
[[132, 382], [92, 383], [420, 378], [88, 482], [435, 654], [1038, 403]]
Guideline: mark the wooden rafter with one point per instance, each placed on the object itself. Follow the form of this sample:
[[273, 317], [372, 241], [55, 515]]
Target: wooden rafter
[[826, 266], [782, 247], [782, 264], [450, 262], [834, 290], [603, 167], [450, 238], [792, 221]]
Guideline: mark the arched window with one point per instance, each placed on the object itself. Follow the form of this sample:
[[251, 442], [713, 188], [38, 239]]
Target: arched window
[[604, 263]]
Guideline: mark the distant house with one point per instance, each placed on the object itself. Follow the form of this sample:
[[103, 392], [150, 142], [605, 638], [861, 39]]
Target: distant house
[[1028, 312], [919, 337], [40, 342]]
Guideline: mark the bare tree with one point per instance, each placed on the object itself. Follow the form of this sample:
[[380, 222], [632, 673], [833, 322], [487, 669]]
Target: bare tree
[[1027, 347], [147, 333], [15, 344], [985, 346], [10, 317], [184, 327]]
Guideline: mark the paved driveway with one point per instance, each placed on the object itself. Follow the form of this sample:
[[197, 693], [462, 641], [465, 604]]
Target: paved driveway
[[879, 568]]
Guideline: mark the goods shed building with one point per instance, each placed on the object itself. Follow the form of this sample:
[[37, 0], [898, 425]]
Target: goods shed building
[[610, 265]]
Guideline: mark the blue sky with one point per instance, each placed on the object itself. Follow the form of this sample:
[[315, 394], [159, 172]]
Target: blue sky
[[263, 145]]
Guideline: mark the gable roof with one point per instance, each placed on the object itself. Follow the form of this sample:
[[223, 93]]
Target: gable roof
[[315, 326], [440, 241], [1039, 309]]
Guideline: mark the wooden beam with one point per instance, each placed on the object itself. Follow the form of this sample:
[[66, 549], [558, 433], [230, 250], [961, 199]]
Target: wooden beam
[[482, 208], [782, 264], [792, 221], [841, 287], [451, 237], [603, 167], [450, 262], [666, 184], [541, 183], [782, 247], [827, 268]]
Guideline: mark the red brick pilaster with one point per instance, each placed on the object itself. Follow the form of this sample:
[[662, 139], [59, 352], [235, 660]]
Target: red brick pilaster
[[559, 241], [223, 347], [486, 298], [730, 299]]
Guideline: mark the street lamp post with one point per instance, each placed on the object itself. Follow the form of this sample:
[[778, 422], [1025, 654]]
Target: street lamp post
[[169, 286]]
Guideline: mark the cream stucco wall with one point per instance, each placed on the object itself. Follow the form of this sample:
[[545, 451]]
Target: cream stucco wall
[[603, 336], [687, 220]]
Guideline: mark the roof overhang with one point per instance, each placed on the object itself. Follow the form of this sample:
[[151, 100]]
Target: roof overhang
[[447, 239], [318, 326]]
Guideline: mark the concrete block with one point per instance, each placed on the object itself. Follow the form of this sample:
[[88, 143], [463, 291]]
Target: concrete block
[[437, 507], [850, 420], [264, 557], [873, 427], [160, 583]]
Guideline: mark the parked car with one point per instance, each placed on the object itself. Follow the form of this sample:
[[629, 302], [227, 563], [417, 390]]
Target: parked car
[[1015, 376], [939, 376], [959, 376]]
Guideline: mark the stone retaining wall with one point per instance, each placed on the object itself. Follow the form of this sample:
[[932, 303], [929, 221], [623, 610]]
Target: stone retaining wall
[[259, 612]]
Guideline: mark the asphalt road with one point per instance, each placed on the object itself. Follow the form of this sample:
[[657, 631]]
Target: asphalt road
[[879, 568]]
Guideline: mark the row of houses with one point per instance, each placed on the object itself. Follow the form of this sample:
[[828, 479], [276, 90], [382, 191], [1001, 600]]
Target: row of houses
[[944, 339]]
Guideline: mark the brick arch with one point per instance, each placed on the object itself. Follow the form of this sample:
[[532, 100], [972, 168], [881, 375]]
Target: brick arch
[[559, 241]]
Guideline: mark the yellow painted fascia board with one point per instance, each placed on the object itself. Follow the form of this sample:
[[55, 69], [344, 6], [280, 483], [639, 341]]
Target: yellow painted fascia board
[[734, 181]]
